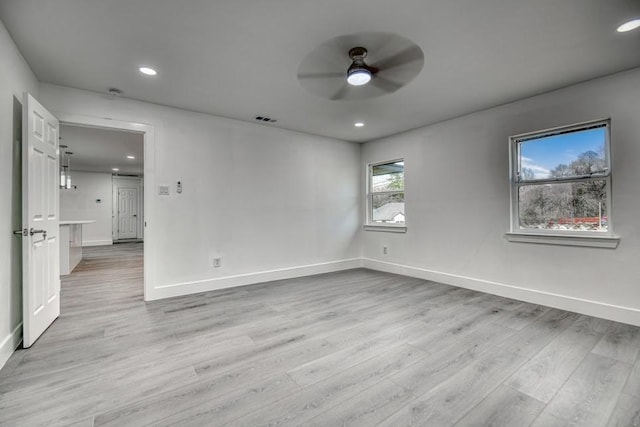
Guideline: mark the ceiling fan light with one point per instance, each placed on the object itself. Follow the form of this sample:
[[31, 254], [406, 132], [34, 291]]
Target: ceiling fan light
[[358, 76], [629, 25]]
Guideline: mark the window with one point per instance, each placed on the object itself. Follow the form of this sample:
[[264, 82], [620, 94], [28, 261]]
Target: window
[[561, 181], [385, 195]]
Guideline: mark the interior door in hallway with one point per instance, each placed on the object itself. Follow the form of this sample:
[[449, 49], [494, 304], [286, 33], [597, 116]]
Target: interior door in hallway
[[127, 213]]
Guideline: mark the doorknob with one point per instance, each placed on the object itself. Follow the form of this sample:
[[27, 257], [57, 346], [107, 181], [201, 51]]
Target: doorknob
[[23, 232], [34, 231]]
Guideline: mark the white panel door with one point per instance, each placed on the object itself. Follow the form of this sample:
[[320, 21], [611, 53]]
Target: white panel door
[[127, 213], [40, 220]]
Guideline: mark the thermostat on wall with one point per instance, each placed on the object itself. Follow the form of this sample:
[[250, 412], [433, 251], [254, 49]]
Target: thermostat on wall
[[163, 190]]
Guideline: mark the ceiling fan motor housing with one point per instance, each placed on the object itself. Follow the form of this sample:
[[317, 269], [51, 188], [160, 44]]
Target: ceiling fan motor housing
[[357, 53], [359, 67]]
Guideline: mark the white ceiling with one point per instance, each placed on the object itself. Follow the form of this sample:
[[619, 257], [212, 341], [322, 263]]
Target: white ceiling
[[101, 150], [240, 58]]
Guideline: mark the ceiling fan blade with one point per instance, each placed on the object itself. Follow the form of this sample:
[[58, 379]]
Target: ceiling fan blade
[[341, 93], [320, 75], [385, 84], [410, 54]]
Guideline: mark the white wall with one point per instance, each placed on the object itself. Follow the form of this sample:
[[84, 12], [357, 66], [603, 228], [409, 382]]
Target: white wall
[[15, 78], [457, 204], [80, 204], [261, 198]]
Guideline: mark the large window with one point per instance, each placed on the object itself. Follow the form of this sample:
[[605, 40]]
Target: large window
[[386, 194], [561, 181]]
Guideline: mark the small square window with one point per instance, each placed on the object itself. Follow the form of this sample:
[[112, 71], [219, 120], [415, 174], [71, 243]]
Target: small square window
[[561, 181], [386, 194]]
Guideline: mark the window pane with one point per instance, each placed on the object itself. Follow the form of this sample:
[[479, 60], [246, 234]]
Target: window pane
[[388, 208], [567, 154], [387, 177], [578, 206]]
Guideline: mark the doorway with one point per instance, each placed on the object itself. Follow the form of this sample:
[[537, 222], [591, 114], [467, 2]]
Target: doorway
[[143, 177], [105, 167], [42, 228]]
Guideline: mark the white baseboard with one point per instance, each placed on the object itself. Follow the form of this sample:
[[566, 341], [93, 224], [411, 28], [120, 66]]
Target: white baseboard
[[178, 289], [97, 242], [578, 305], [9, 344], [592, 308]]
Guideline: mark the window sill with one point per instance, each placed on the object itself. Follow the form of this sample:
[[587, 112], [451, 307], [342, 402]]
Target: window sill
[[609, 242], [386, 228]]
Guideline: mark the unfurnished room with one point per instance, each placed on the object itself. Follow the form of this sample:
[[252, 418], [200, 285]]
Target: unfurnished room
[[303, 213]]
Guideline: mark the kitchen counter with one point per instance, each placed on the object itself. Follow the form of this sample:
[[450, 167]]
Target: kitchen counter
[[71, 244]]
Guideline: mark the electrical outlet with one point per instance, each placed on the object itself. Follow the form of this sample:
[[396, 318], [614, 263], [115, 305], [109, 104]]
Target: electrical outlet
[[385, 250], [217, 262]]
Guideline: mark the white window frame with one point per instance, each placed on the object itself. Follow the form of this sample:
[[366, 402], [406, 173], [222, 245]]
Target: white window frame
[[369, 225], [560, 237]]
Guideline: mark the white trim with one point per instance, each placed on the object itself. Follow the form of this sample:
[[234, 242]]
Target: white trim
[[368, 220], [149, 181], [558, 129], [97, 242], [515, 183], [386, 227], [9, 344], [578, 305], [609, 242], [179, 289]]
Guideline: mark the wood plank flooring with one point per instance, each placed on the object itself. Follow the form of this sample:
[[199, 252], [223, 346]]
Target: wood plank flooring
[[356, 348]]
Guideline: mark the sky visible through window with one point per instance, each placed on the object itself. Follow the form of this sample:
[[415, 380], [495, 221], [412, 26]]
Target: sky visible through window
[[544, 154]]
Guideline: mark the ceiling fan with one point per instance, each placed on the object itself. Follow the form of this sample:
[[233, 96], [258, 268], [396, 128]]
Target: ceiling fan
[[360, 66]]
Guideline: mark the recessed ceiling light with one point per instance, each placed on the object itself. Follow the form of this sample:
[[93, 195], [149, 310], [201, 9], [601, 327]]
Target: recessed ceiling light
[[358, 124], [148, 71], [629, 25], [131, 157], [115, 169]]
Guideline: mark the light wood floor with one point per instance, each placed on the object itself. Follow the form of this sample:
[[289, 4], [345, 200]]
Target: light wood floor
[[351, 348]]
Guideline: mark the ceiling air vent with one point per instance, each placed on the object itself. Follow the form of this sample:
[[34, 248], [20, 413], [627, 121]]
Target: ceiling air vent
[[265, 119]]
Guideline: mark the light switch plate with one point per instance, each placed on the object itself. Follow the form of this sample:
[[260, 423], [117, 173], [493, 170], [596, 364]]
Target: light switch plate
[[163, 190]]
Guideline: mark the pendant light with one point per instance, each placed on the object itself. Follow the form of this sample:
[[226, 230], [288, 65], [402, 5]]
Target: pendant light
[[65, 165], [69, 153], [64, 169]]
